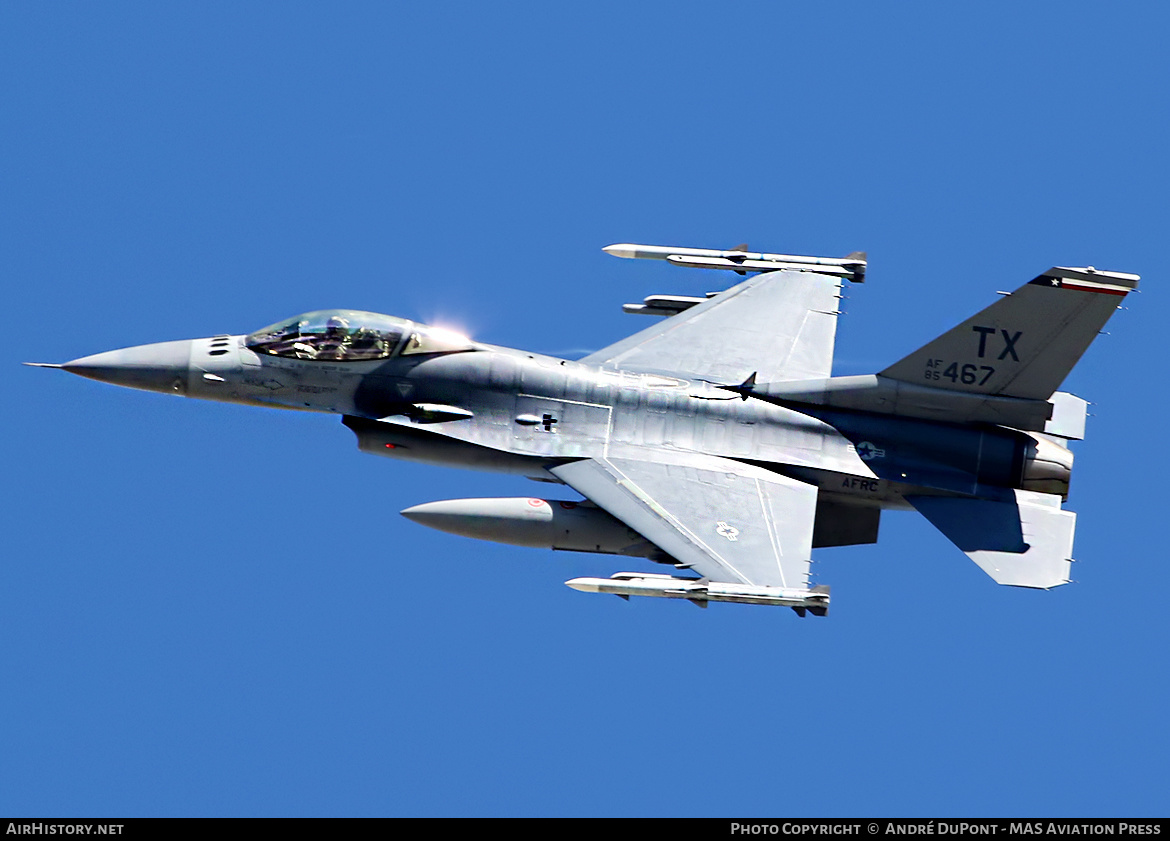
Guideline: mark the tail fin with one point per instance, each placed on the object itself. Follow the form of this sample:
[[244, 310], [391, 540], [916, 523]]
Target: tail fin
[[1025, 344]]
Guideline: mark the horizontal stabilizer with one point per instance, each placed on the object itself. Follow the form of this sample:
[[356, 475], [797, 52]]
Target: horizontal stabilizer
[[1025, 543]]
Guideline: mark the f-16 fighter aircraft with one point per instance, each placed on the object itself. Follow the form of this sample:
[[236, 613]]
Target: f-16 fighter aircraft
[[715, 441]]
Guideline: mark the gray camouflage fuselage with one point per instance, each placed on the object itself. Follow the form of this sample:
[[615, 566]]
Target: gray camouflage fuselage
[[529, 410]]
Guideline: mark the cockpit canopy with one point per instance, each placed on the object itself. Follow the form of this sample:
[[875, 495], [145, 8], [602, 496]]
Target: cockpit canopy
[[352, 336]]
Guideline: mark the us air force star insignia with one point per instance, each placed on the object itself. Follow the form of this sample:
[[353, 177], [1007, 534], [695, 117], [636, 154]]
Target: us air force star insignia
[[730, 532], [868, 451]]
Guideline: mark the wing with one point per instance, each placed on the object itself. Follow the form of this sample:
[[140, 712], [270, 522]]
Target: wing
[[729, 522], [780, 324]]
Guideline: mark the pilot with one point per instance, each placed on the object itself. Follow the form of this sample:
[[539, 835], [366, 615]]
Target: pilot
[[332, 345], [367, 343]]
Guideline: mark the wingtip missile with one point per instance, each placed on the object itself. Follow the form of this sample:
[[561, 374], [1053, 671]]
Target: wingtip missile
[[622, 249], [626, 584], [740, 260]]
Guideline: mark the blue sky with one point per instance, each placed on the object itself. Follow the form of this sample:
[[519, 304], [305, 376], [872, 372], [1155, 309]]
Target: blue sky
[[215, 610]]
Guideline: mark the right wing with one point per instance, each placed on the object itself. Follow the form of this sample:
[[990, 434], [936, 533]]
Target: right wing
[[779, 324], [729, 522]]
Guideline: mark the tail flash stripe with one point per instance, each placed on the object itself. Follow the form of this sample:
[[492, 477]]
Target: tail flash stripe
[[1088, 280], [1096, 287]]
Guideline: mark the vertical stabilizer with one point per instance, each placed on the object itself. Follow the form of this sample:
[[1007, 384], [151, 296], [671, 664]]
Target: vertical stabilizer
[[1025, 344]]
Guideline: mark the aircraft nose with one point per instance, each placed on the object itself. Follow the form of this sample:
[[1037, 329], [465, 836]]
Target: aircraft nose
[[159, 367]]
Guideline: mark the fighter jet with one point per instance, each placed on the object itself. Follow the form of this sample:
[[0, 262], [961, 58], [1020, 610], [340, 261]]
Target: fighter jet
[[716, 441]]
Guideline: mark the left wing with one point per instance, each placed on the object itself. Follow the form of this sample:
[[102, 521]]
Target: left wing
[[732, 523], [780, 324]]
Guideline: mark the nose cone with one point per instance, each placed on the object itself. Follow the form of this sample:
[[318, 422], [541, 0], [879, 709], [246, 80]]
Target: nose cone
[[158, 367]]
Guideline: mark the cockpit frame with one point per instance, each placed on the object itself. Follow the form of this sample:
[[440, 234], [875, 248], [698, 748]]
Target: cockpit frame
[[351, 336]]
